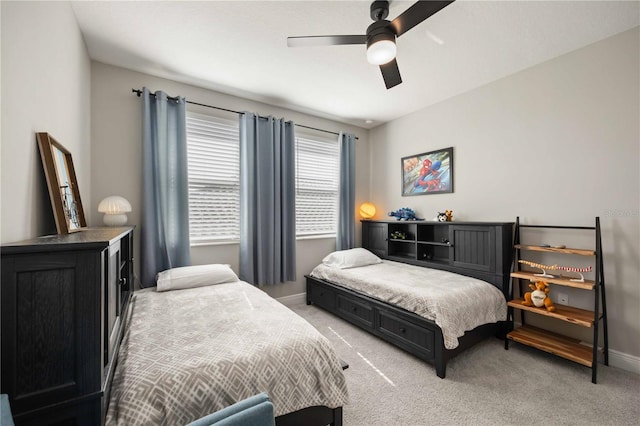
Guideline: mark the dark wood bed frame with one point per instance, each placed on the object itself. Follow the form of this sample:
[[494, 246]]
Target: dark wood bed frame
[[477, 249], [312, 416]]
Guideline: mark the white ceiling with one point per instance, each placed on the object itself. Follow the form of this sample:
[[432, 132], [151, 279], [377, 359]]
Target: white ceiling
[[239, 48]]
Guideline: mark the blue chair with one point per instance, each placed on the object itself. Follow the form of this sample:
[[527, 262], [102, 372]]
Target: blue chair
[[5, 411], [254, 411]]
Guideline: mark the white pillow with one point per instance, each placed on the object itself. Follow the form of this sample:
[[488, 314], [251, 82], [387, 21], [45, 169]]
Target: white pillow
[[194, 276], [351, 258]]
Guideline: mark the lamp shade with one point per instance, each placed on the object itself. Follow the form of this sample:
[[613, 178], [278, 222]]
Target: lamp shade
[[381, 43], [381, 52], [114, 208], [367, 210]]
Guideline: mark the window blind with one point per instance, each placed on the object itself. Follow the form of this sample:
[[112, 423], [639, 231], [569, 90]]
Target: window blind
[[213, 152], [317, 166], [213, 162]]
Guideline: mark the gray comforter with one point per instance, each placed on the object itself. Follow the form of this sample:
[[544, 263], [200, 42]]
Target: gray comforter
[[456, 303], [188, 353]]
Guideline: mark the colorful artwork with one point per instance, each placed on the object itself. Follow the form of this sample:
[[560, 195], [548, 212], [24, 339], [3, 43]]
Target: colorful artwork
[[428, 173]]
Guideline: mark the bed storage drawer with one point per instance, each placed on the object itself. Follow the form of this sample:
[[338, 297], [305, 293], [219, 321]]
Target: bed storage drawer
[[404, 329], [355, 311], [406, 334], [321, 295]]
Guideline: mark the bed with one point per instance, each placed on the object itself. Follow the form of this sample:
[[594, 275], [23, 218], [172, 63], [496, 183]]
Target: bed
[[189, 352], [432, 313]]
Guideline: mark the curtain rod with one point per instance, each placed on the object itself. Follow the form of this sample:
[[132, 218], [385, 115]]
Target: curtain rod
[[138, 92]]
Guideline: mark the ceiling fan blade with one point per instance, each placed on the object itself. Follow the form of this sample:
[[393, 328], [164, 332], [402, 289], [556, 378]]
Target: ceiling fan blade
[[331, 40], [391, 73], [417, 13]]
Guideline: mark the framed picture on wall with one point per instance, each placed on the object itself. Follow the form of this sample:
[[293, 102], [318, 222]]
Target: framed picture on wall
[[428, 173]]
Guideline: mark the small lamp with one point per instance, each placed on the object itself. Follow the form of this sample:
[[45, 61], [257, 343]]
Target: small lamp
[[367, 210], [114, 209]]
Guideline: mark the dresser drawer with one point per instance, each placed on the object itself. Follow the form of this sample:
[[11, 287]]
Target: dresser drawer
[[355, 311], [405, 333]]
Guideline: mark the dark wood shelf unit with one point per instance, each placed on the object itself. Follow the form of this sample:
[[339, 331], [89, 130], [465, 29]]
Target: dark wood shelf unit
[[479, 249], [584, 353], [64, 299]]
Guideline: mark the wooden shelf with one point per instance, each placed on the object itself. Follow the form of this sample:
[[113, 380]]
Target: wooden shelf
[[566, 313], [585, 353], [581, 252], [435, 243], [565, 347], [586, 285], [403, 255], [441, 261], [400, 240]]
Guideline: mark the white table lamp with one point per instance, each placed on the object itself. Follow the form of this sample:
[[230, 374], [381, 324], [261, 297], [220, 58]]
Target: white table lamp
[[114, 209]]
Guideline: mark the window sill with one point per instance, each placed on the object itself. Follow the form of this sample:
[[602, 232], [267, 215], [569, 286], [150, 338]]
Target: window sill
[[235, 242], [316, 237], [215, 243]]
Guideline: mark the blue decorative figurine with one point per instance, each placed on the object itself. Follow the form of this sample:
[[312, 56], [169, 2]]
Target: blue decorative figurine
[[404, 213]]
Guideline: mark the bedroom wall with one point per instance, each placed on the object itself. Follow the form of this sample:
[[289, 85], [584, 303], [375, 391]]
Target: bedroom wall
[[557, 143], [45, 88], [116, 155]]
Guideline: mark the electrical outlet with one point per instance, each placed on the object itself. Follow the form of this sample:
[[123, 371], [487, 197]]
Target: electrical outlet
[[563, 298]]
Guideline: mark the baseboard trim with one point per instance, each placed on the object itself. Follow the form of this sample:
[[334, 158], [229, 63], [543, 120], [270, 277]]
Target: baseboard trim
[[293, 299], [624, 361]]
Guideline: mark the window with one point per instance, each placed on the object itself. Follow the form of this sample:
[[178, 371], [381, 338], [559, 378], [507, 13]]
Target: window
[[214, 181], [317, 179]]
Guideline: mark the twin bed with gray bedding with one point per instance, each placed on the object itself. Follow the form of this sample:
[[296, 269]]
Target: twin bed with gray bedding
[[190, 352], [431, 313], [456, 303]]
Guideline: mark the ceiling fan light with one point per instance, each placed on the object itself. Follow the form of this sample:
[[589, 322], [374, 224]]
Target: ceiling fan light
[[381, 52]]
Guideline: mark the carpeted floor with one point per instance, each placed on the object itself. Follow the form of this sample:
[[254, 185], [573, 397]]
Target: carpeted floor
[[485, 385]]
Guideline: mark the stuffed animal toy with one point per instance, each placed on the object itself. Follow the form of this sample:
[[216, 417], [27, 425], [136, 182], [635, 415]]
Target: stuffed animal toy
[[404, 213], [539, 296], [442, 217], [449, 214]]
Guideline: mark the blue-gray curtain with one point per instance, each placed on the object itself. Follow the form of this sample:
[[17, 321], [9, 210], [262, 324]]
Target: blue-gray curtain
[[165, 210], [267, 200], [346, 235]]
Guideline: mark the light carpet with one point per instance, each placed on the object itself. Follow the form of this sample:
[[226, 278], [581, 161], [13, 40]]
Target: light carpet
[[485, 385]]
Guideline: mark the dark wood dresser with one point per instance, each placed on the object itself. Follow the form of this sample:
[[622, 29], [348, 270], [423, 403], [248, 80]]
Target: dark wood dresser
[[63, 299]]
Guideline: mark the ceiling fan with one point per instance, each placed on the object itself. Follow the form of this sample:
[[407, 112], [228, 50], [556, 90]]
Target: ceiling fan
[[381, 35]]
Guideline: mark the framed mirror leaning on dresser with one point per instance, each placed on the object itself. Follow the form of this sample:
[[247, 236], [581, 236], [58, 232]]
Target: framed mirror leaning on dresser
[[62, 184]]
